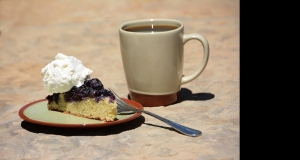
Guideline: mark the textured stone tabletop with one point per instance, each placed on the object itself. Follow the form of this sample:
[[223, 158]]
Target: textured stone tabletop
[[32, 32]]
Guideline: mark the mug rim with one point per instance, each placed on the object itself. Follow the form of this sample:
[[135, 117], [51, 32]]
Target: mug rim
[[175, 22]]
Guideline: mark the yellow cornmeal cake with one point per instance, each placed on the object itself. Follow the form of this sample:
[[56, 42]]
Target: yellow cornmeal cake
[[90, 100], [88, 108]]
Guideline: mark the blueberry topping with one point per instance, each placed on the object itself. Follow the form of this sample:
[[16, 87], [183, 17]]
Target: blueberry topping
[[92, 88], [53, 97]]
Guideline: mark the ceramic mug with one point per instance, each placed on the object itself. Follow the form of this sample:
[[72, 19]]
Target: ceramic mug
[[152, 56]]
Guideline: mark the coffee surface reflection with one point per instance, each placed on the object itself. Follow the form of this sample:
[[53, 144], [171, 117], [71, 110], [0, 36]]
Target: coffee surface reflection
[[150, 28]]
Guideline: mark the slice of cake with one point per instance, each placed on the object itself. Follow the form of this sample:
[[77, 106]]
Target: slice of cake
[[73, 92], [91, 100]]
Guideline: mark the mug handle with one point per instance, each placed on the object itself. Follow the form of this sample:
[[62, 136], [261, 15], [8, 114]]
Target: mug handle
[[202, 39]]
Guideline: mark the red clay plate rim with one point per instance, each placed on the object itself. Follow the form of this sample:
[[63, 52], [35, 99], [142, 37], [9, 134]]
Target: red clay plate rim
[[105, 124]]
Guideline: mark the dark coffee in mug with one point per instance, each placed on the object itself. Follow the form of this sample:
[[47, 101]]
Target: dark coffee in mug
[[150, 28]]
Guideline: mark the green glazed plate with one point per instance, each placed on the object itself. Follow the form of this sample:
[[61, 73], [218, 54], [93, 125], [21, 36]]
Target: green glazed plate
[[38, 113]]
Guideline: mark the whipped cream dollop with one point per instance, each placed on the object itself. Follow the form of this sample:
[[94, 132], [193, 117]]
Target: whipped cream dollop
[[63, 73]]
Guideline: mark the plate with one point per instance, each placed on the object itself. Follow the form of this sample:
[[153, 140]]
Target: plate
[[38, 113]]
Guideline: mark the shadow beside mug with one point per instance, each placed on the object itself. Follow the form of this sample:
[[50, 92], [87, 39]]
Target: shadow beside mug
[[187, 95]]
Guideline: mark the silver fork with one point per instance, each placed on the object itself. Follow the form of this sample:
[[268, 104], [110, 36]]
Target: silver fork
[[125, 107]]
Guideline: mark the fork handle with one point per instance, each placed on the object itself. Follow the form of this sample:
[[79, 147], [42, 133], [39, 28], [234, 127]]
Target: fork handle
[[183, 129]]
